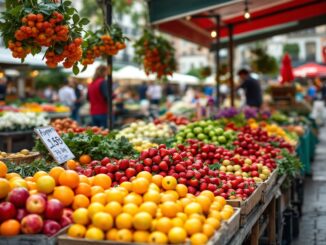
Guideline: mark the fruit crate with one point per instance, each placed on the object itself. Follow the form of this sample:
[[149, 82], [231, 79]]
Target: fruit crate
[[269, 183], [32, 239], [20, 160], [249, 204]]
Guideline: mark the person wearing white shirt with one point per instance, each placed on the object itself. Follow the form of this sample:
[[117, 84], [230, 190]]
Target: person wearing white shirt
[[154, 92], [67, 95]]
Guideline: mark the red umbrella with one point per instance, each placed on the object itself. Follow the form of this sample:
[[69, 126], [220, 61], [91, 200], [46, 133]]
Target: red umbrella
[[286, 69], [310, 70]]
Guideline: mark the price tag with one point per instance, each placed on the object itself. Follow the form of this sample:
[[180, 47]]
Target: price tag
[[53, 142]]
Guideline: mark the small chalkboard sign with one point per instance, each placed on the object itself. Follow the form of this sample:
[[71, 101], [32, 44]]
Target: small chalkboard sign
[[55, 145]]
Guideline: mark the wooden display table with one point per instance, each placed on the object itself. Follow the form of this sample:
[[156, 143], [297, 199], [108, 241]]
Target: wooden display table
[[16, 140]]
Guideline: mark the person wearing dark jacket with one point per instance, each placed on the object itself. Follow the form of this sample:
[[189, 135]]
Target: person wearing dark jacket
[[252, 89]]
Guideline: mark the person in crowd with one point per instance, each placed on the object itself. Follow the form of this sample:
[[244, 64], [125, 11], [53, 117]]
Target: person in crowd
[[78, 101], [67, 95], [312, 91], [170, 95], [142, 91], [154, 93], [323, 91], [49, 93], [3, 89], [252, 88], [98, 97]]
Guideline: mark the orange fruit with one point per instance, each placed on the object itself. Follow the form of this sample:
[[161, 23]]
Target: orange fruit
[[3, 169], [198, 239], [213, 222], [127, 185], [94, 208], [142, 221], [123, 221], [123, 190], [94, 234], [169, 195], [216, 206], [102, 180], [177, 235], [193, 208], [152, 196], [130, 208], [158, 237], [164, 225], [215, 214], [10, 227], [114, 194], [149, 207], [31, 185], [83, 179], [177, 222], [124, 235], [29, 178], [55, 173], [102, 221], [38, 174], [81, 216], [140, 185], [96, 189], [146, 175], [84, 189], [182, 190], [112, 234], [114, 208], [85, 159], [72, 164], [226, 214], [220, 200], [80, 201], [77, 231], [208, 230], [133, 198], [4, 187], [193, 226], [14, 183], [69, 178], [64, 194], [45, 184], [208, 194], [100, 198], [169, 209], [204, 201], [9, 176], [157, 179], [141, 236], [169, 183], [184, 201]]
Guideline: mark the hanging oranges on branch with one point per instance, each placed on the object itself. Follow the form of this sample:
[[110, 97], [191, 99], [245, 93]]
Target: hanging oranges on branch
[[30, 26], [105, 42], [156, 54]]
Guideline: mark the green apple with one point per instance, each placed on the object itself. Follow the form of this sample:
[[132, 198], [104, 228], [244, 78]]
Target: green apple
[[258, 180], [266, 171], [263, 176], [201, 136], [221, 139], [190, 136], [198, 130], [222, 168], [229, 168], [219, 131], [260, 166], [226, 162], [248, 161], [238, 173], [237, 167], [245, 174]]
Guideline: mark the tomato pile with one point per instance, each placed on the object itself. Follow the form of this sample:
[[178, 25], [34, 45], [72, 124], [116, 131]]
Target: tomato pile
[[170, 117]]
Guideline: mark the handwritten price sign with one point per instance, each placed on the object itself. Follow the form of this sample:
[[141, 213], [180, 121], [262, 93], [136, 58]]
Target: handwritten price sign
[[53, 142]]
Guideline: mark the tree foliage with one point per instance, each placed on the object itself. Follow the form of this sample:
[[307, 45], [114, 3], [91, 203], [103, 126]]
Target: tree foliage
[[292, 49], [55, 78], [262, 62]]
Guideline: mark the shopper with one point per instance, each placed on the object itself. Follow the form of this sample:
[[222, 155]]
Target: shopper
[[3, 89], [67, 95], [142, 91], [78, 101], [252, 89], [98, 97], [154, 93]]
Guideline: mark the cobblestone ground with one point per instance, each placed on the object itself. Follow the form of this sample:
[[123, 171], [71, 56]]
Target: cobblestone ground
[[313, 220]]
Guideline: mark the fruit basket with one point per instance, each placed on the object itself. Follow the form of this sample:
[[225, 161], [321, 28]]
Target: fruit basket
[[269, 183], [19, 159], [32, 239]]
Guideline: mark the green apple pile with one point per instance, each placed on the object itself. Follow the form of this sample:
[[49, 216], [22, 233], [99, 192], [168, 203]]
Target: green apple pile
[[207, 131]]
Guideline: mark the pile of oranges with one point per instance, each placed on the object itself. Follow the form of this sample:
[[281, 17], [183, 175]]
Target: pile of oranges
[[149, 209], [104, 46]]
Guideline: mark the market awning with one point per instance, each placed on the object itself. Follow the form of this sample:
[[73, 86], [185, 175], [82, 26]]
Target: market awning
[[310, 70], [267, 18]]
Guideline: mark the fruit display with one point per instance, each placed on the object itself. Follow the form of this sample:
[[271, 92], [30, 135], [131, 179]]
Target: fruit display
[[156, 54], [18, 121], [22, 153], [150, 209], [36, 107], [55, 27], [207, 131], [170, 117], [140, 134], [67, 125]]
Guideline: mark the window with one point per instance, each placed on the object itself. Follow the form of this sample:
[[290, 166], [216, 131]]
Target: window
[[310, 51]]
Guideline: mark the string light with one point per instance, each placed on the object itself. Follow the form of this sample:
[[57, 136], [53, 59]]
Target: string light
[[246, 14], [213, 34], [188, 17]]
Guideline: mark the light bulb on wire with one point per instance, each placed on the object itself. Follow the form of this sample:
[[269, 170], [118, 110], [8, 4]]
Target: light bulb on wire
[[246, 15], [213, 34]]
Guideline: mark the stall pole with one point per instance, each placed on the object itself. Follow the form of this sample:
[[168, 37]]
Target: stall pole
[[108, 18], [231, 49], [217, 61]]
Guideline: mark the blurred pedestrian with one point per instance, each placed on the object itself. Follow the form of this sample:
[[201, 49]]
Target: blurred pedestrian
[[312, 91], [98, 97], [252, 88], [154, 93], [142, 91], [78, 101], [3, 89], [67, 95], [49, 93]]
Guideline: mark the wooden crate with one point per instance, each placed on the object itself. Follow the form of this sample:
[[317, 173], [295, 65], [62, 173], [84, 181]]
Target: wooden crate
[[32, 239], [229, 228], [248, 205], [269, 184]]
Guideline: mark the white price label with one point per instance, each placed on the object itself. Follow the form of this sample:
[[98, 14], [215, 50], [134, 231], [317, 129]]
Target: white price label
[[53, 142]]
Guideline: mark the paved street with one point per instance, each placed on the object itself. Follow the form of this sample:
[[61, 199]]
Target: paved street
[[313, 221]]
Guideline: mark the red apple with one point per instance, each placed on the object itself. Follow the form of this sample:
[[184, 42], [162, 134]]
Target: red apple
[[67, 212], [35, 204], [18, 197], [32, 224], [65, 221], [7, 211], [53, 209], [21, 213], [51, 227]]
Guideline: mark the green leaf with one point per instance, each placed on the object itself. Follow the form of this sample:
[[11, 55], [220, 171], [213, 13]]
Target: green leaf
[[83, 21], [75, 18], [75, 69], [70, 11], [67, 3], [84, 68]]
